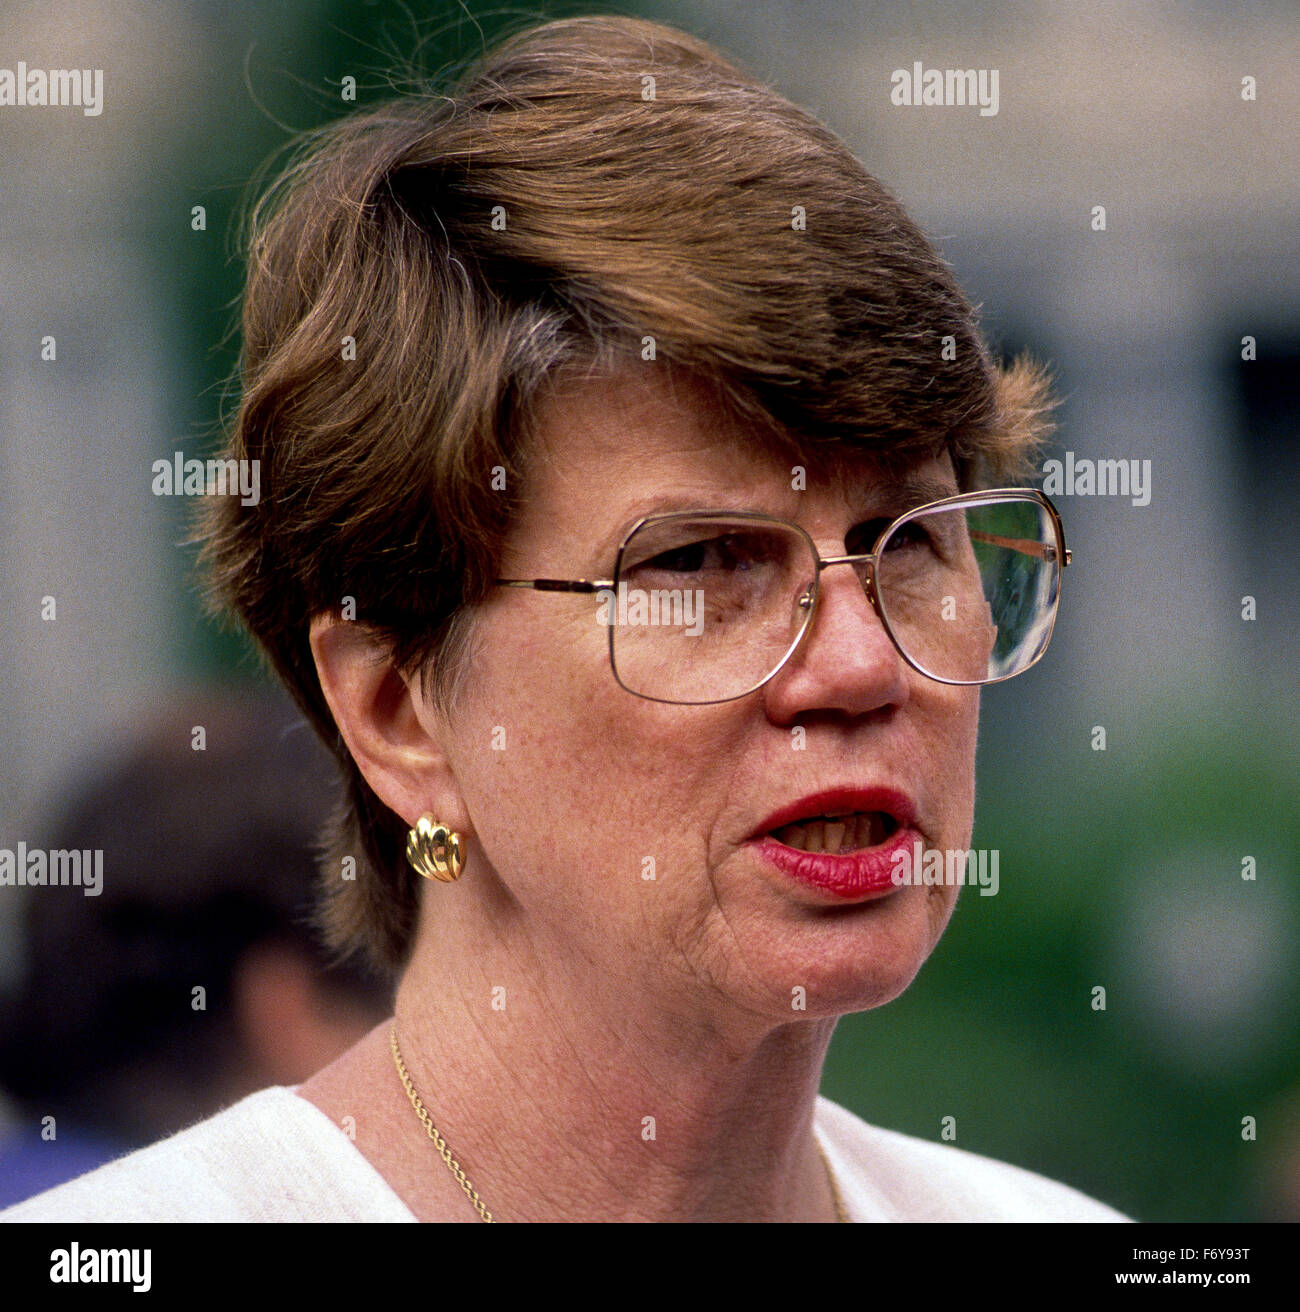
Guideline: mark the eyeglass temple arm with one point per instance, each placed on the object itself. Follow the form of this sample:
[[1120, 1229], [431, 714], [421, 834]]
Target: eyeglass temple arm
[[558, 585]]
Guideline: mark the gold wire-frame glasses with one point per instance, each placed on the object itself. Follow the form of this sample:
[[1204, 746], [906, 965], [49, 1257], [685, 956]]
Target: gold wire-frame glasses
[[1046, 547]]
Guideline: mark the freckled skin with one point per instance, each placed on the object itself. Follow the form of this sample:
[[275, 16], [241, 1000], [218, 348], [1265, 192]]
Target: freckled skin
[[593, 779], [705, 998]]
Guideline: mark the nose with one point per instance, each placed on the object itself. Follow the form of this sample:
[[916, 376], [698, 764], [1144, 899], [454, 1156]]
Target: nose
[[846, 662]]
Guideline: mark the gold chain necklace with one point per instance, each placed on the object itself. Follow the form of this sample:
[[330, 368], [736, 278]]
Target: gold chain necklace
[[454, 1166], [432, 1130]]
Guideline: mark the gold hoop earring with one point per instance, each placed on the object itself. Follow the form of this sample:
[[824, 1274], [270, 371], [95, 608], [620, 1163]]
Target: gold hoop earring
[[434, 850]]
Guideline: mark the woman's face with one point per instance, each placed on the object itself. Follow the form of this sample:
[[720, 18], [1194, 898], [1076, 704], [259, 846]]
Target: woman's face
[[578, 791]]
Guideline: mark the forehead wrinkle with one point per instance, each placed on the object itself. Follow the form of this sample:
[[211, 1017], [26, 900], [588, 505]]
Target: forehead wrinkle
[[617, 430], [659, 443], [867, 481]]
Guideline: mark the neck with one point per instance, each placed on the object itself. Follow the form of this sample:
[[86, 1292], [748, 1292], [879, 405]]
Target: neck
[[570, 1098]]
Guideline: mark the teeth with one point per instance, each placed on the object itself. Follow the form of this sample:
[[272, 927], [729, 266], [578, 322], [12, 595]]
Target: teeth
[[844, 834]]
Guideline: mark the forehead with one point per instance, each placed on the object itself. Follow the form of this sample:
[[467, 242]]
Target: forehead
[[621, 422], [604, 451]]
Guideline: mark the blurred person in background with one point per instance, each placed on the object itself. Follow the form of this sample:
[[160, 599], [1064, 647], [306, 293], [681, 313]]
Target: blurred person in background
[[194, 976]]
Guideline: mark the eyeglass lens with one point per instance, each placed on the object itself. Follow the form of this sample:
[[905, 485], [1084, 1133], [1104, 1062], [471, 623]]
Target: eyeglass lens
[[705, 608]]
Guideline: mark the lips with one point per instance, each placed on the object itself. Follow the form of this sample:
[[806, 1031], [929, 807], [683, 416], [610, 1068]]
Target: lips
[[835, 802], [844, 841]]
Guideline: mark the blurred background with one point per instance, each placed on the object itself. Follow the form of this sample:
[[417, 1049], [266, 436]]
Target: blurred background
[[1121, 868]]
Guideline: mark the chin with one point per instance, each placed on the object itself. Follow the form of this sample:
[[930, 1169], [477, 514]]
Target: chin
[[859, 957]]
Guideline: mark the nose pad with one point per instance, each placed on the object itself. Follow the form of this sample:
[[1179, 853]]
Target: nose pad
[[865, 570], [868, 670], [801, 616]]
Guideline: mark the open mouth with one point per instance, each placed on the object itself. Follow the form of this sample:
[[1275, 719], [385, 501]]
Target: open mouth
[[853, 831]]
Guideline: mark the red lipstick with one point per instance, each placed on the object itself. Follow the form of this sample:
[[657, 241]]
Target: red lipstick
[[850, 876]]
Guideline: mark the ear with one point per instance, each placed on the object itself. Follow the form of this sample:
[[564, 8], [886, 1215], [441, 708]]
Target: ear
[[394, 740]]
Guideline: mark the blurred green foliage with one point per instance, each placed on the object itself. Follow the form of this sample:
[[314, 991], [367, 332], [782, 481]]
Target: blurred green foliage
[[1124, 871]]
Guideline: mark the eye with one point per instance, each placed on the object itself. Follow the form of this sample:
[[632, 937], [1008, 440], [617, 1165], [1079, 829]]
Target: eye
[[910, 535], [719, 553], [865, 535], [727, 552], [862, 537], [687, 559]]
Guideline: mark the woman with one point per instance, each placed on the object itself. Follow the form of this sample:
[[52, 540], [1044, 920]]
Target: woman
[[561, 388]]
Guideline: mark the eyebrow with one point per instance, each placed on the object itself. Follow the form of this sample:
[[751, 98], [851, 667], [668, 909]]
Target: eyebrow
[[896, 496], [905, 492]]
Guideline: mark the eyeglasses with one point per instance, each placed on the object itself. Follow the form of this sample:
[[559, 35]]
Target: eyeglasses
[[708, 606]]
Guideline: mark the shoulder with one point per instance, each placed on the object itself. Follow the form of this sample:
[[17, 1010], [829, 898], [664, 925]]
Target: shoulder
[[271, 1157], [887, 1176]]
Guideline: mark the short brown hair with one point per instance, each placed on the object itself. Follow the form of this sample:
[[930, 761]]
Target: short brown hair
[[592, 183]]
